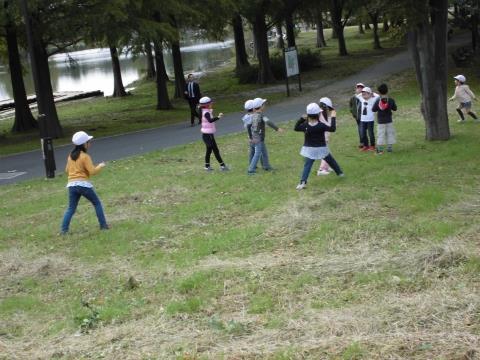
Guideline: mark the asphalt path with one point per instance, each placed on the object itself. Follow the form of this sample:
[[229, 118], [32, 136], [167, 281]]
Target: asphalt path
[[28, 165]]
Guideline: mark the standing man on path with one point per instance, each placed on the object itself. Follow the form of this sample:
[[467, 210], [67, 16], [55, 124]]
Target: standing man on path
[[193, 95]]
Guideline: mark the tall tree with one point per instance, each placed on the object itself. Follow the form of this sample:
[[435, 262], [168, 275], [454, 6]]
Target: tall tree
[[37, 34], [319, 25], [340, 15], [241, 57], [163, 101], [177, 61], [374, 8], [118, 88], [427, 41], [150, 60], [24, 120], [255, 12]]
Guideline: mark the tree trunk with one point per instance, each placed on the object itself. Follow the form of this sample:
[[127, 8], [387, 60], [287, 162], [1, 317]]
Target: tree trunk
[[290, 29], [41, 74], [24, 120], [178, 70], [163, 101], [118, 88], [320, 34], [241, 57], [386, 27], [474, 28], [427, 43], [376, 38], [367, 26], [265, 74], [280, 42], [360, 27], [150, 64], [337, 25]]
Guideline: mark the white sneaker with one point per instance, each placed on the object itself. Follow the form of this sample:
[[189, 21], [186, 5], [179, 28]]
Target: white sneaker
[[301, 186], [208, 169], [460, 121], [224, 168], [323, 172]]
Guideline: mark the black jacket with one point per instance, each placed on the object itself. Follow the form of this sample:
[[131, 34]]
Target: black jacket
[[384, 116], [315, 135], [196, 91]]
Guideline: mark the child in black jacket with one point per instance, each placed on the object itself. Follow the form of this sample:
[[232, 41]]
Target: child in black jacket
[[314, 146]]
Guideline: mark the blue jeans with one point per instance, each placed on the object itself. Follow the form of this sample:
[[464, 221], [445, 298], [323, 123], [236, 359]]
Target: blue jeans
[[367, 126], [307, 167], [260, 151], [251, 152], [74, 195]]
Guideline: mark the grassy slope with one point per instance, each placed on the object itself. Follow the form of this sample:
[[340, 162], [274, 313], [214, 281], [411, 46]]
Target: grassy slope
[[381, 264], [108, 116]]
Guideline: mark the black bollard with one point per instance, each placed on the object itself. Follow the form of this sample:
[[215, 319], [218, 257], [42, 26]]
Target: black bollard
[[47, 147]]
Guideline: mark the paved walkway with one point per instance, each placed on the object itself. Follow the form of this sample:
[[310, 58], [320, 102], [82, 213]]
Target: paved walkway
[[29, 165]]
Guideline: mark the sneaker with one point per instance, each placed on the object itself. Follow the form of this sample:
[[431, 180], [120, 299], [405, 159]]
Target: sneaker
[[379, 152], [301, 186], [371, 148], [341, 175], [460, 120], [269, 169], [224, 168], [365, 148], [106, 227], [360, 146], [250, 173], [208, 168], [323, 172], [389, 149]]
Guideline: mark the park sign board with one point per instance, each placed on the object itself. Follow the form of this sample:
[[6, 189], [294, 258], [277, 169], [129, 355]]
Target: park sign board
[[290, 56], [291, 61]]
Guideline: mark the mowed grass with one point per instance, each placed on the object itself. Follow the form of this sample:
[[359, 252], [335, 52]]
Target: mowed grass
[[109, 116], [383, 263]]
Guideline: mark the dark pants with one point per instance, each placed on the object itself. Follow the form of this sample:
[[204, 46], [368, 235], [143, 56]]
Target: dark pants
[[367, 126], [193, 102], [211, 145], [359, 128], [309, 162], [74, 195]]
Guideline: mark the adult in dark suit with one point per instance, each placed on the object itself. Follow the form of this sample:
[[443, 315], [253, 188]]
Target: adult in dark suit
[[193, 95]]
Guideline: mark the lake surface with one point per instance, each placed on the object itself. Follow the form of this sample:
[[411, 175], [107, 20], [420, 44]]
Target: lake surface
[[92, 69]]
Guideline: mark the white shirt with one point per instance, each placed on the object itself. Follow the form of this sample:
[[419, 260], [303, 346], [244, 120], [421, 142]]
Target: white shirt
[[368, 115]]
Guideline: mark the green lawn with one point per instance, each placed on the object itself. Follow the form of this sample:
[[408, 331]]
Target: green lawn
[[383, 263], [109, 116]]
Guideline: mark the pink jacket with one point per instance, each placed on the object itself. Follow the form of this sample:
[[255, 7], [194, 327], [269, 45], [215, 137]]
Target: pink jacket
[[208, 127]]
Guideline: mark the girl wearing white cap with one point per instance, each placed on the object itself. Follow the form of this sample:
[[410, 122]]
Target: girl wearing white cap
[[367, 118], [314, 146], [79, 169], [464, 96], [247, 124], [208, 130], [327, 107]]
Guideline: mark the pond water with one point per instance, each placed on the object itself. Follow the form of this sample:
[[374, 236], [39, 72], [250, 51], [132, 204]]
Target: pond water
[[92, 69]]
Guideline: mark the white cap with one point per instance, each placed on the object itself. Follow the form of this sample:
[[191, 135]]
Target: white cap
[[258, 102], [326, 101], [313, 109], [249, 105], [80, 138], [360, 85], [205, 100], [367, 90], [460, 78]]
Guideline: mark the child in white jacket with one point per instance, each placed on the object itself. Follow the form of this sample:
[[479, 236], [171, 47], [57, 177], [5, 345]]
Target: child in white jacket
[[464, 96]]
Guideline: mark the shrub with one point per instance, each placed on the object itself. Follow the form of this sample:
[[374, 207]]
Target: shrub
[[308, 60]]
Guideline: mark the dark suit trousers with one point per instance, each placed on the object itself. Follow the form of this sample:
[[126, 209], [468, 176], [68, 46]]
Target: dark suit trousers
[[193, 102]]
